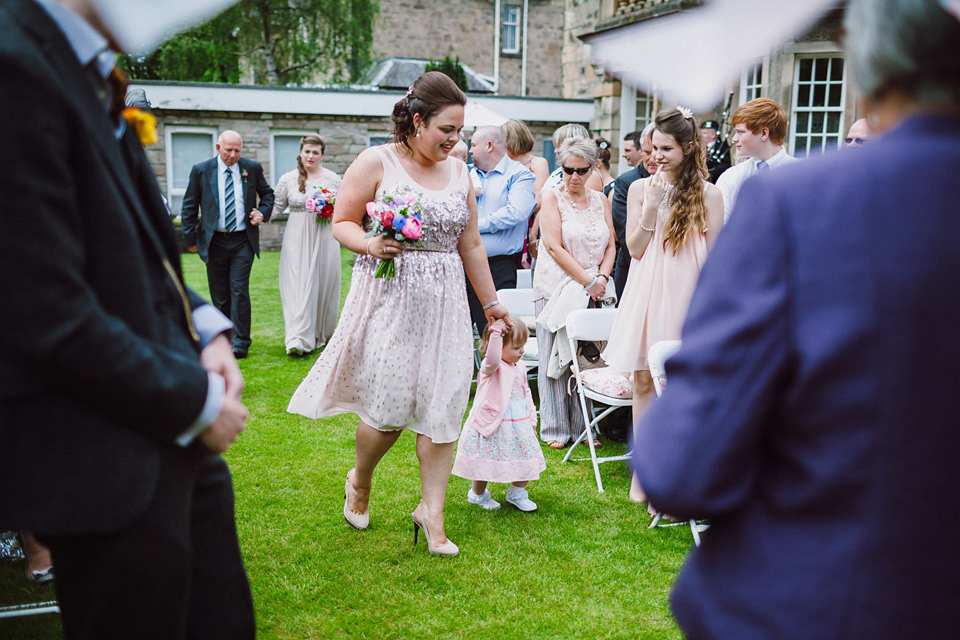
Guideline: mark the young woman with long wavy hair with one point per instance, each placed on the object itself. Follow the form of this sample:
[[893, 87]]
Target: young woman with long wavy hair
[[673, 218]]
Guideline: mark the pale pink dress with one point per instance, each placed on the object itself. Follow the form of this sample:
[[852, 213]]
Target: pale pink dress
[[402, 354], [655, 297]]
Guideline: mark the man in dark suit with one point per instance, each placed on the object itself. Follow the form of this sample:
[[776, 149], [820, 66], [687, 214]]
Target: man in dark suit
[[223, 192], [618, 205], [117, 385], [812, 410], [717, 149]]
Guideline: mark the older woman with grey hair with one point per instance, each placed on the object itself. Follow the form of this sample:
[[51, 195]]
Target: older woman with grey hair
[[811, 411], [577, 249]]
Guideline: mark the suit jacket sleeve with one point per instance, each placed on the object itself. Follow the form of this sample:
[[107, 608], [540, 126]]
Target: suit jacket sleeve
[[264, 192], [618, 209], [698, 448], [190, 208]]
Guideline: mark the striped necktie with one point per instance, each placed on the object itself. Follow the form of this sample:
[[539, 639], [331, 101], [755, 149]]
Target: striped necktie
[[229, 203]]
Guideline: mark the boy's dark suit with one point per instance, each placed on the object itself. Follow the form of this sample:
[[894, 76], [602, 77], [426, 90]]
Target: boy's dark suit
[[99, 370]]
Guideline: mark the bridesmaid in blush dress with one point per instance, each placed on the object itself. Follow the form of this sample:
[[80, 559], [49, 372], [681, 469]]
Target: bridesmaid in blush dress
[[402, 355], [309, 256], [673, 218]]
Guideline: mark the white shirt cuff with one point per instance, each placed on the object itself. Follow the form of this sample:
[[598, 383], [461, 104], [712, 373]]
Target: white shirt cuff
[[209, 323], [216, 388]]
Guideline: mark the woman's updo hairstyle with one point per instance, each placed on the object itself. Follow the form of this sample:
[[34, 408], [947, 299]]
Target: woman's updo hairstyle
[[582, 148], [314, 139], [427, 96], [688, 209], [603, 152]]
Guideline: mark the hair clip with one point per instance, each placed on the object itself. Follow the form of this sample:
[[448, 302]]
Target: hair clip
[[410, 92], [686, 113], [603, 145]]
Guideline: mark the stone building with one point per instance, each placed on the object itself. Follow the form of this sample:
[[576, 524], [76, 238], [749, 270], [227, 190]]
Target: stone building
[[515, 44], [271, 120], [807, 76]]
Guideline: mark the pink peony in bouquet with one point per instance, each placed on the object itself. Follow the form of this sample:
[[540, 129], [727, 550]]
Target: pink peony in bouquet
[[321, 201], [396, 215]]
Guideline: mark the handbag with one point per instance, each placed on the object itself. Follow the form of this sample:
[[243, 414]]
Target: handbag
[[588, 354]]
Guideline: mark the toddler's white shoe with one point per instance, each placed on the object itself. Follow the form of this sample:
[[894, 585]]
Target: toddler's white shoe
[[484, 500], [519, 498]]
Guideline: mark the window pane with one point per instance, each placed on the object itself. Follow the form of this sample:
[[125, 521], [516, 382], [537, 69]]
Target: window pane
[[188, 149], [286, 148], [836, 91], [836, 71], [833, 122], [816, 122], [820, 70], [832, 143], [511, 28], [803, 95], [806, 66], [816, 142], [819, 95], [803, 120], [801, 147]]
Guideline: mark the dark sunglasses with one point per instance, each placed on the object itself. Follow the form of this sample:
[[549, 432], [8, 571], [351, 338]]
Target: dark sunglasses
[[580, 172], [856, 141]]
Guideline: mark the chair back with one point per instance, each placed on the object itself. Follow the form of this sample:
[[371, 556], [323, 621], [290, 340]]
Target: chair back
[[519, 302], [590, 324], [657, 358], [524, 278]]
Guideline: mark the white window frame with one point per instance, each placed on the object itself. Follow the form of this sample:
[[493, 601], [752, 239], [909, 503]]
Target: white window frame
[[511, 24], [751, 83], [807, 111], [378, 139], [631, 102], [169, 132], [275, 174]]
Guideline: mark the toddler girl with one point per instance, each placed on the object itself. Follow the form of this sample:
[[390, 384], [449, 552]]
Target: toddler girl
[[499, 440]]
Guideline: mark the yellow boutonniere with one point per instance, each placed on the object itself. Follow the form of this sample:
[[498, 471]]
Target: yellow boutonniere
[[143, 123]]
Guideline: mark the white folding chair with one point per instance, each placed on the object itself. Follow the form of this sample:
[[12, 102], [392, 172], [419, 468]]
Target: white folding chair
[[519, 302], [657, 358], [524, 278], [34, 608], [592, 324]]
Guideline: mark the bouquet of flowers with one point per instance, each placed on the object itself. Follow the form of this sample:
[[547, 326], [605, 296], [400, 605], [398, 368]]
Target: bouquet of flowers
[[397, 215], [321, 201]]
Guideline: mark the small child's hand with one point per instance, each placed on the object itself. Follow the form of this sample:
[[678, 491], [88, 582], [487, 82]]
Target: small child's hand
[[498, 325]]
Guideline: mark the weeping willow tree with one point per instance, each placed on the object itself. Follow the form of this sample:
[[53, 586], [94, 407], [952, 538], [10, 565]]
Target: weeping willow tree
[[281, 41]]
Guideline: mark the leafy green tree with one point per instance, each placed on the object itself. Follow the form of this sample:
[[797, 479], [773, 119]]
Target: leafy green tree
[[452, 68], [282, 41]]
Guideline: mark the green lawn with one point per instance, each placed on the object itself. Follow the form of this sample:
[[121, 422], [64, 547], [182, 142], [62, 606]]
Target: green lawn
[[583, 565]]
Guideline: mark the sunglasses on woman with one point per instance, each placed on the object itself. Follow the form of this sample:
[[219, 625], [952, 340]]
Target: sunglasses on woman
[[580, 172]]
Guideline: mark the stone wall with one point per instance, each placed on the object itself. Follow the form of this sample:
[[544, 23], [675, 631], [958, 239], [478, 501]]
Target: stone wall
[[345, 137], [465, 28]]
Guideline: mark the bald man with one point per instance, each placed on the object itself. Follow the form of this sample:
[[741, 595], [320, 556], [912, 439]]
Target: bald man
[[858, 134], [224, 192]]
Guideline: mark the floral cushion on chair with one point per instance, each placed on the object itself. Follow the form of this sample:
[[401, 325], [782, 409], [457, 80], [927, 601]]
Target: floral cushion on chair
[[608, 381]]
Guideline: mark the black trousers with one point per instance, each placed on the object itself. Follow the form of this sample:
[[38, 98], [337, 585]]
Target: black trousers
[[229, 260], [620, 269], [175, 572], [504, 272]]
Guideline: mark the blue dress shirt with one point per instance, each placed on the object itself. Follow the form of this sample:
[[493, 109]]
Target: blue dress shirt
[[504, 206]]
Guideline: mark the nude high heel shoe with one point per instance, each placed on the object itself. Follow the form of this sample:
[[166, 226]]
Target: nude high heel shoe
[[356, 520], [445, 549]]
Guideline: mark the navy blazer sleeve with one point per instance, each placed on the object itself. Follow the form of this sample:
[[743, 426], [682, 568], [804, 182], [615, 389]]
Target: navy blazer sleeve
[[264, 191], [698, 448]]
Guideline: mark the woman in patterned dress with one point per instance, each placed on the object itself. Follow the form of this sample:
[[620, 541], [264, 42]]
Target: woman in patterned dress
[[402, 355]]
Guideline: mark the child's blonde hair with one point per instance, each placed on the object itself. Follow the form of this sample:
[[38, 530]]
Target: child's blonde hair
[[460, 150], [515, 336]]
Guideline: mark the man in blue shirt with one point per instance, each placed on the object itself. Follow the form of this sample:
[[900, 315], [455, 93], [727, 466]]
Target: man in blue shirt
[[505, 202]]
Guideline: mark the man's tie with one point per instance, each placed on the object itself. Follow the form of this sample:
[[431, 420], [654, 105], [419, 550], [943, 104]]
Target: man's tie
[[762, 166], [229, 203]]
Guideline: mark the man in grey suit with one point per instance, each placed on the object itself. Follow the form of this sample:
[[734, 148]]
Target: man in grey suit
[[221, 219]]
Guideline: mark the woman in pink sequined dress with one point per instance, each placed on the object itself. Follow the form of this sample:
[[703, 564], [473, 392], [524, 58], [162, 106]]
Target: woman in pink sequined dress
[[673, 218], [402, 354]]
